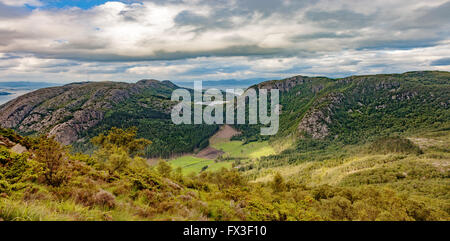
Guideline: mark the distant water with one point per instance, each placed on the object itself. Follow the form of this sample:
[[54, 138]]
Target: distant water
[[17, 89], [223, 84], [210, 86], [14, 94]]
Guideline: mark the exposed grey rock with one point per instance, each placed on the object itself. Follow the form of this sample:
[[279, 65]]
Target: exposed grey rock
[[67, 111], [19, 149], [378, 107], [6, 142], [285, 84], [315, 122]]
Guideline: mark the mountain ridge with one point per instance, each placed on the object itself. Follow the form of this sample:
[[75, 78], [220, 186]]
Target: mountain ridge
[[73, 107], [321, 107], [343, 109]]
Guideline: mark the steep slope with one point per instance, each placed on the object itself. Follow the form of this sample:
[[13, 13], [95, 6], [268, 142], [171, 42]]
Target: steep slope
[[357, 108], [46, 183], [75, 112], [346, 110]]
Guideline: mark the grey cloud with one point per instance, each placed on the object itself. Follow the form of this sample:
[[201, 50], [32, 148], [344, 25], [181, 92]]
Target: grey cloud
[[56, 70], [12, 12], [262, 6], [293, 70], [96, 46], [441, 62], [340, 19], [9, 56], [214, 69], [424, 19], [321, 35], [106, 71], [89, 43], [439, 15], [132, 13], [61, 65], [266, 7], [202, 22], [223, 10], [397, 43], [8, 36], [377, 66], [350, 62], [284, 29], [240, 50]]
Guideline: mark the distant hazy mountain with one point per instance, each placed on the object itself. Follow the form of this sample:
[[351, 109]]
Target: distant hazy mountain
[[346, 150], [223, 84], [347, 110], [26, 85], [11, 90], [75, 112]]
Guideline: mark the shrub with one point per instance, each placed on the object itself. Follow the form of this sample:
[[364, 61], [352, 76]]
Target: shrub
[[125, 139], [113, 159], [13, 167], [104, 198], [90, 198], [278, 184], [52, 156], [387, 145], [4, 186], [164, 168]]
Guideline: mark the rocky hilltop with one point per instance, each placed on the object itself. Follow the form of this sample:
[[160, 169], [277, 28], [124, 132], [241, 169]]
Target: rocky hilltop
[[67, 111], [355, 108], [347, 110]]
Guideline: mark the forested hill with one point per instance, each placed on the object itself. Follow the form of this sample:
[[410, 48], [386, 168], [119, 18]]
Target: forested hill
[[76, 112], [346, 110], [359, 108]]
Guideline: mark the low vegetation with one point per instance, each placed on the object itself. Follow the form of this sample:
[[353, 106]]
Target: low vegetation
[[116, 183], [357, 148]]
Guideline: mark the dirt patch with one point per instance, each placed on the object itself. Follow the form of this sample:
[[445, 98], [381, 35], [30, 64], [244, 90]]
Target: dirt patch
[[224, 134], [209, 153], [19, 149], [443, 166], [426, 142], [153, 161]]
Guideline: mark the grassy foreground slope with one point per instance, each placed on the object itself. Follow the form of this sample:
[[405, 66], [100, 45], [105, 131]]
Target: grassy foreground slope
[[41, 181], [418, 167], [357, 148]]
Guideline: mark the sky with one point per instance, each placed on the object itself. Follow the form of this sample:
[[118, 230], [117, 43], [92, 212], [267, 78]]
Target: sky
[[184, 40]]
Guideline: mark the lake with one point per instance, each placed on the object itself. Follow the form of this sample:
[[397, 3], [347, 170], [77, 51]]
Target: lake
[[14, 94]]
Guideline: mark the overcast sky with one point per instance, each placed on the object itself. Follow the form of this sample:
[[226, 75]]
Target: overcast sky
[[67, 41]]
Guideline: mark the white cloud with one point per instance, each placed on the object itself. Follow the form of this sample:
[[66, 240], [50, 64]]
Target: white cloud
[[199, 39], [161, 71]]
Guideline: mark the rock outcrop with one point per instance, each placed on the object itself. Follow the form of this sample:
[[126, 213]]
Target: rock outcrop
[[284, 84], [66, 111], [315, 122]]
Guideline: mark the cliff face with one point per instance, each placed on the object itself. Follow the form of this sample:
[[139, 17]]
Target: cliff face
[[315, 122], [348, 109], [357, 107], [66, 111]]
